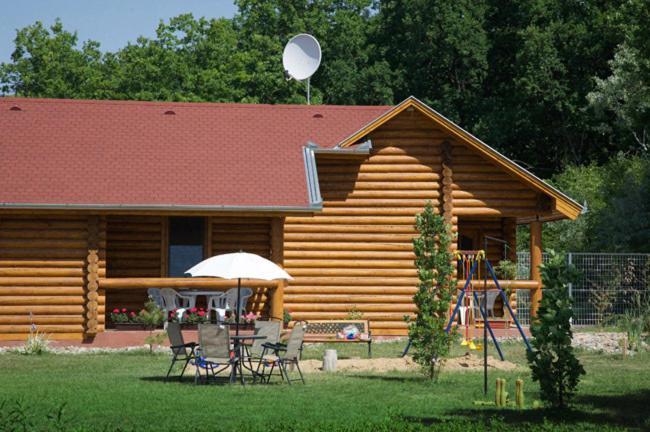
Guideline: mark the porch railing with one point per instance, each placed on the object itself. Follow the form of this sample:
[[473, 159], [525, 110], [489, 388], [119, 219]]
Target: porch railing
[[275, 288]]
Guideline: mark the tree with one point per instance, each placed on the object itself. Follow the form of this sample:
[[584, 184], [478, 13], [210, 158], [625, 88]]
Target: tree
[[515, 73], [552, 361], [349, 73], [617, 199], [438, 50], [542, 59], [433, 260], [188, 60], [49, 63], [626, 92]]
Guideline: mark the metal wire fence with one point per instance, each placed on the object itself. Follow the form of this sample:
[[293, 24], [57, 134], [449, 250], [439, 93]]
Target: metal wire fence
[[609, 285]]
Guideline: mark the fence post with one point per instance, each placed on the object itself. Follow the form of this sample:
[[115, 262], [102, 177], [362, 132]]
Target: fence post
[[570, 261]]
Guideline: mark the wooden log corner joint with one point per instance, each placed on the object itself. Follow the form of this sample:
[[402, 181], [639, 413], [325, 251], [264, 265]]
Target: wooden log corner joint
[[447, 182], [91, 276]]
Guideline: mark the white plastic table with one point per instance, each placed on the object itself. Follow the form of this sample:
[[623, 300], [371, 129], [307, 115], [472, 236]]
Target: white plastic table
[[196, 293]]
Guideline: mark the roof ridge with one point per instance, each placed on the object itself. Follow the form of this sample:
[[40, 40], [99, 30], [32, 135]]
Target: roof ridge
[[201, 104]]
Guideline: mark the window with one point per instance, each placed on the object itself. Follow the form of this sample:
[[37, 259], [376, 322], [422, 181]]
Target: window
[[186, 236]]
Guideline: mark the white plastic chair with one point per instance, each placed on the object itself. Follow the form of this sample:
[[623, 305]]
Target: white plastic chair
[[229, 300], [174, 300], [487, 301], [491, 299], [154, 294], [213, 302]]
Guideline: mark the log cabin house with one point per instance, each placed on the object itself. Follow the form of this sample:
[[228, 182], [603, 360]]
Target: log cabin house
[[100, 200]]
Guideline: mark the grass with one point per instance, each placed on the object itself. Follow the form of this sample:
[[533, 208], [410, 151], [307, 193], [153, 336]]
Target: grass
[[126, 392]]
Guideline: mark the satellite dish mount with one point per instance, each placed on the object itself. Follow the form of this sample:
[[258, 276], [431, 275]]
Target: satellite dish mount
[[301, 59]]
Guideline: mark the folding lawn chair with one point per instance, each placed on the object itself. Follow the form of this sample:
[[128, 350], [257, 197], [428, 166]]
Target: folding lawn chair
[[284, 354], [214, 354], [182, 352], [255, 351]]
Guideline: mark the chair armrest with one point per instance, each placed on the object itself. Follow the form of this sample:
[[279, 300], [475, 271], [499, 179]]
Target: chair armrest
[[275, 347], [187, 345]]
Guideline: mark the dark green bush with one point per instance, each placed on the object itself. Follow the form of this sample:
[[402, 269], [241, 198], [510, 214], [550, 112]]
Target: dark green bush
[[433, 261], [552, 361]]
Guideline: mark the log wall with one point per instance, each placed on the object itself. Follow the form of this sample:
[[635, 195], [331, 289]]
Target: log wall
[[482, 189], [356, 256], [135, 247], [47, 266], [253, 235], [478, 228]]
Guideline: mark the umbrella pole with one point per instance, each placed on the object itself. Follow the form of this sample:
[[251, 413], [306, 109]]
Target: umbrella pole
[[237, 306]]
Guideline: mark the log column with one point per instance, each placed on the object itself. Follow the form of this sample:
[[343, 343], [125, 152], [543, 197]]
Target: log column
[[277, 256], [447, 199], [535, 262], [92, 277]]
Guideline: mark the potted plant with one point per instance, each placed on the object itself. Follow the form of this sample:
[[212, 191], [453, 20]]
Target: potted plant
[[286, 318], [151, 316]]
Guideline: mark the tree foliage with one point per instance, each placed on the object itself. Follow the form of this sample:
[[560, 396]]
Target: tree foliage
[[551, 83], [552, 361], [433, 260], [617, 199], [626, 92]]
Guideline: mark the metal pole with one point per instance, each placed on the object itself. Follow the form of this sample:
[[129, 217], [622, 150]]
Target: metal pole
[[237, 341], [308, 92], [570, 260], [237, 307]]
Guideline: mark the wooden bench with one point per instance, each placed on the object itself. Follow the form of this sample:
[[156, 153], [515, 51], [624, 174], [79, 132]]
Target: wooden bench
[[326, 331]]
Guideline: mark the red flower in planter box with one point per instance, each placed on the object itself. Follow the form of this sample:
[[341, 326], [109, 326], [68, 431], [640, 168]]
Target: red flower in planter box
[[195, 316], [119, 316]]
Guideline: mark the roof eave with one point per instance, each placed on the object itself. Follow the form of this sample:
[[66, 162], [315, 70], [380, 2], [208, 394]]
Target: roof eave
[[159, 207]]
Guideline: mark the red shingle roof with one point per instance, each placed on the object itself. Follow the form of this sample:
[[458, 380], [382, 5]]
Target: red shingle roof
[[160, 154]]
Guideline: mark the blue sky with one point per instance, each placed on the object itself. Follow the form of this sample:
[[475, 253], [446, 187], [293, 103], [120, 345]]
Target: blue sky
[[111, 22]]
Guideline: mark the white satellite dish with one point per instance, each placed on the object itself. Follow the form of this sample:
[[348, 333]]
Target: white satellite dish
[[301, 58]]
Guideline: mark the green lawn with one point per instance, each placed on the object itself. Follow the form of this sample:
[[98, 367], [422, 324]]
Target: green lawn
[[125, 392]]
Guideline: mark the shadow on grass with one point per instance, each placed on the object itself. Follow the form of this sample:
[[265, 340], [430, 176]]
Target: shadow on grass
[[390, 378], [626, 410], [219, 381], [630, 409]]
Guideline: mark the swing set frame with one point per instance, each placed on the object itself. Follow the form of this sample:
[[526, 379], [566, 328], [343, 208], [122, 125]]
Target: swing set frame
[[486, 323]]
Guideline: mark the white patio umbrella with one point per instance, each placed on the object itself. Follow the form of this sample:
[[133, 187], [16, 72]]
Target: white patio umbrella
[[239, 265]]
